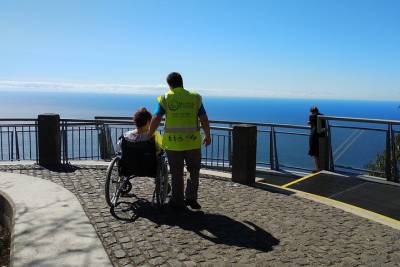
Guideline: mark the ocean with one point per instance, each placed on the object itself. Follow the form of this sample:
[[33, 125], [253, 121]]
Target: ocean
[[292, 111], [353, 148]]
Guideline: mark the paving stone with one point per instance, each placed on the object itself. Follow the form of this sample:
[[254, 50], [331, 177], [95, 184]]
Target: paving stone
[[189, 263], [124, 239], [127, 245], [157, 261], [238, 226], [137, 260], [120, 254], [173, 262]]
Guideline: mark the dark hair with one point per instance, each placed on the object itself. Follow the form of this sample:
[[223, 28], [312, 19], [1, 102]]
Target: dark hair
[[314, 109], [141, 117], [174, 79]]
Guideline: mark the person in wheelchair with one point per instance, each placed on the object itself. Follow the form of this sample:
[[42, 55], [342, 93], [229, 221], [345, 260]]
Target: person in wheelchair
[[138, 154], [137, 149]]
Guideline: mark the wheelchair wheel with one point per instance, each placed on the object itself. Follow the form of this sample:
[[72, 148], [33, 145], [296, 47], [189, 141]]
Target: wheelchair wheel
[[113, 183], [161, 182]]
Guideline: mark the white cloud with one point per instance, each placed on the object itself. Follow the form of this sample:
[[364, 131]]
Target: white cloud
[[40, 86]]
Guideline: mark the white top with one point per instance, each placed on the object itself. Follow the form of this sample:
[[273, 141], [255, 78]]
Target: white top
[[133, 136]]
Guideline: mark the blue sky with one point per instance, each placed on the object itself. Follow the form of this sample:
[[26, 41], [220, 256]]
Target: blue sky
[[341, 49]]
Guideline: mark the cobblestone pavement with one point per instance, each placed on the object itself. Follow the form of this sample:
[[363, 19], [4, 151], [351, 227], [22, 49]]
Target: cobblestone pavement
[[237, 226]]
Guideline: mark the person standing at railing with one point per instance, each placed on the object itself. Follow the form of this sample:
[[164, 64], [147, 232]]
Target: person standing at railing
[[181, 139], [315, 135]]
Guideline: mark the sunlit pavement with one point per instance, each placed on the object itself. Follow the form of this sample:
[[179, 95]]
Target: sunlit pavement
[[237, 225]]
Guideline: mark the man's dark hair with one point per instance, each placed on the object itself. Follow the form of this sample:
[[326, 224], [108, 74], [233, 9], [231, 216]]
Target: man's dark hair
[[141, 117], [174, 79]]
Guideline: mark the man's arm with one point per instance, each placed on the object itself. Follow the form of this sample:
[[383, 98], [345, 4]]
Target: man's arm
[[206, 128], [155, 121]]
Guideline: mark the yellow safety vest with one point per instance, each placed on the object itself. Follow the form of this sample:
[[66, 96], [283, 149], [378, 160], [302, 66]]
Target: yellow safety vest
[[181, 131]]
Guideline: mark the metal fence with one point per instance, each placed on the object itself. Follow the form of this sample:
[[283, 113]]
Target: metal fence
[[354, 145], [372, 146], [276, 143], [18, 139], [90, 139]]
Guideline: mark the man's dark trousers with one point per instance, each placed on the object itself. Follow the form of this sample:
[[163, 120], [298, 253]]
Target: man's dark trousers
[[176, 161]]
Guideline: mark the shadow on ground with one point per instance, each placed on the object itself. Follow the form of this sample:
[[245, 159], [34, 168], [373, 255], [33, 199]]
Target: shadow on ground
[[217, 228]]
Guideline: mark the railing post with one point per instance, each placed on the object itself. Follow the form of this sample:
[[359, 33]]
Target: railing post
[[244, 154], [323, 144], [271, 149], [395, 177], [49, 140], [388, 158], [64, 139], [12, 145], [16, 144], [276, 159], [329, 136], [105, 142], [230, 147]]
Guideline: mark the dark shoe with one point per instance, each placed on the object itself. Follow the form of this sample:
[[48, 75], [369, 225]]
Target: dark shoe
[[193, 204]]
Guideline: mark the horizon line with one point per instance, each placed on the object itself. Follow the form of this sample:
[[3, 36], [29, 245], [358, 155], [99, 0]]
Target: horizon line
[[158, 89]]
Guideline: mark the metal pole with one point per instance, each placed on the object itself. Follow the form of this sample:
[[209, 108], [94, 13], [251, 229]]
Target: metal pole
[[331, 163], [271, 149], [37, 141], [65, 142], [12, 144], [388, 172], [276, 162], [16, 144], [394, 159], [229, 147]]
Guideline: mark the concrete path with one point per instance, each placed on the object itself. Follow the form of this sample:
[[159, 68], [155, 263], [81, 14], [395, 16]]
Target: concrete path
[[51, 228]]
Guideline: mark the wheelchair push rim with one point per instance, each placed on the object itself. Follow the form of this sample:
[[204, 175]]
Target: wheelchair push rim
[[162, 185], [113, 183]]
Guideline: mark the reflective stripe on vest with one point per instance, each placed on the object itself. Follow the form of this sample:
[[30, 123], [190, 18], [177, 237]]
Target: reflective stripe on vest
[[181, 129]]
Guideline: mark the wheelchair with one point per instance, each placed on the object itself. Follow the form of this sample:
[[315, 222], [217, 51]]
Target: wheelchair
[[137, 159]]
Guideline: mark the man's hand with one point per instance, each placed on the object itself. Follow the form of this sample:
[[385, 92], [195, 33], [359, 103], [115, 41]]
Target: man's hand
[[206, 140], [206, 127]]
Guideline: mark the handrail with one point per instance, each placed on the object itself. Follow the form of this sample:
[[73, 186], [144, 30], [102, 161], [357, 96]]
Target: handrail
[[96, 121], [358, 128], [278, 125], [366, 120], [17, 119], [18, 125]]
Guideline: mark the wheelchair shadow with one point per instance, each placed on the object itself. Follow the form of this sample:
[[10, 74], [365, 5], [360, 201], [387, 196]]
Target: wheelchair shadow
[[217, 228]]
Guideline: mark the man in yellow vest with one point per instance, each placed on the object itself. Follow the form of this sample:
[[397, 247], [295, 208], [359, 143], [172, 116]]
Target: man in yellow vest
[[181, 139]]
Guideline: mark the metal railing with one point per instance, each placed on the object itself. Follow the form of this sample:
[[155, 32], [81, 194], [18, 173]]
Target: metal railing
[[279, 146], [275, 143], [218, 154], [90, 139], [18, 139], [386, 161]]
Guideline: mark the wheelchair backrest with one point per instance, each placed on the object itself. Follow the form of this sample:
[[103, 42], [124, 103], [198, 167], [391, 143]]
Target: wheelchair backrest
[[138, 158]]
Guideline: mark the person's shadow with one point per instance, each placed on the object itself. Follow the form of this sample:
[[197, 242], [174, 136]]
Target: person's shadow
[[217, 228]]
